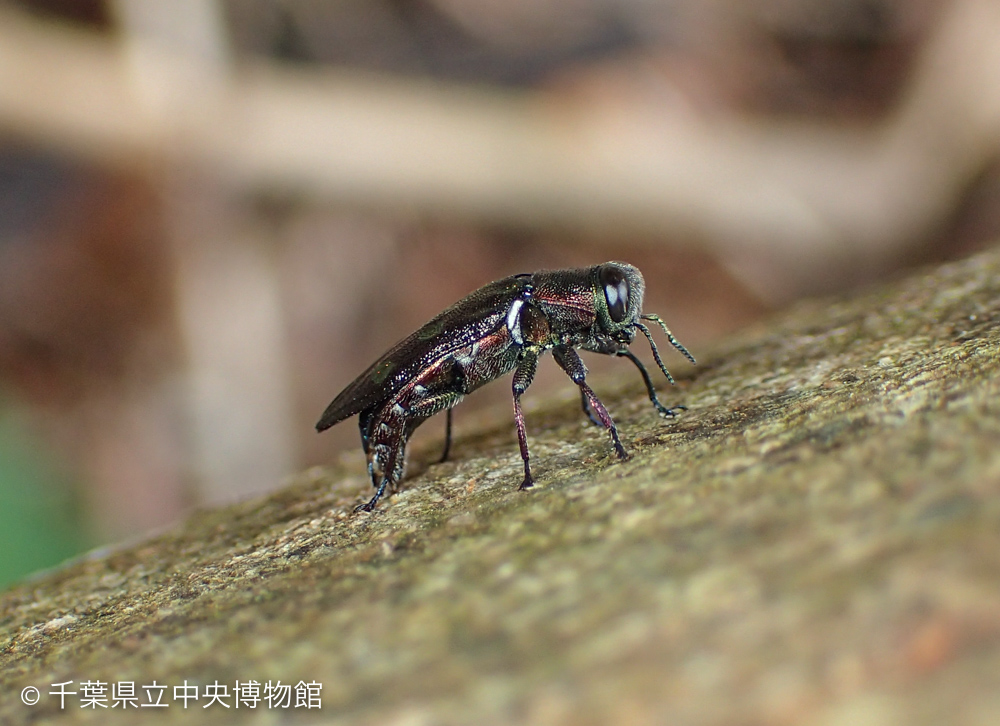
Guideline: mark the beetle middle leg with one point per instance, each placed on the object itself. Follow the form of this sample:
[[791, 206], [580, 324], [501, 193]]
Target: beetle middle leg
[[523, 375], [569, 361], [585, 405], [447, 439]]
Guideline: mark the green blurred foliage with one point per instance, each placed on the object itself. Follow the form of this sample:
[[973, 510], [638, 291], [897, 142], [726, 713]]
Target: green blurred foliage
[[41, 522]]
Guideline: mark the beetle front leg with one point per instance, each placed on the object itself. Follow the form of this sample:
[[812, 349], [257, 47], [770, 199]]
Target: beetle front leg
[[663, 410], [570, 362], [523, 375]]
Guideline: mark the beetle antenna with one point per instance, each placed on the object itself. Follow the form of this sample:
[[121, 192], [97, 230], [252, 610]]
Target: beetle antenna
[[656, 353], [652, 344], [670, 336]]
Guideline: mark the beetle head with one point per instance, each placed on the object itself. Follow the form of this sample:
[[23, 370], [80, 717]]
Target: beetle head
[[618, 290]]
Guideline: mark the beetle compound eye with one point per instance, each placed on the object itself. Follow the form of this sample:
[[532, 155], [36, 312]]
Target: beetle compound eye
[[615, 292]]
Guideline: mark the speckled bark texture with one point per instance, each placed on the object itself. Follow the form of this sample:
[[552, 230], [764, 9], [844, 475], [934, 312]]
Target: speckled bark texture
[[816, 540]]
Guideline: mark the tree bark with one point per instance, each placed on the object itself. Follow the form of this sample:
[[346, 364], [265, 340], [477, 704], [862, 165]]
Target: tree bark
[[815, 540]]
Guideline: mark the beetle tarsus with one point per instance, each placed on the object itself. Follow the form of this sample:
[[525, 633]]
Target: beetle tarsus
[[619, 448], [668, 412], [367, 506], [370, 504]]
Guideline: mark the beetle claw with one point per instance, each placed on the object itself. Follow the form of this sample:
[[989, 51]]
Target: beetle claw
[[670, 412]]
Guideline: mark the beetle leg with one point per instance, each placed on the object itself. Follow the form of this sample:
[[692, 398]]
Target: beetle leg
[[523, 375], [569, 361], [664, 411], [434, 404], [384, 431], [383, 474], [370, 504], [586, 409], [430, 406], [447, 438]]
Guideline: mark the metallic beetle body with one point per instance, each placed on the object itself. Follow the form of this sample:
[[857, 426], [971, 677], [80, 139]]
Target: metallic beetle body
[[502, 327]]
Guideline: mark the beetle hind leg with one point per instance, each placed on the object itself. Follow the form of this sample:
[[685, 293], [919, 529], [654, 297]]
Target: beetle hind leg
[[386, 455], [435, 404], [370, 504]]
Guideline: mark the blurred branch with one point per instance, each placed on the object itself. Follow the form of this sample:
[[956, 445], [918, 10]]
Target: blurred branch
[[228, 289], [792, 204]]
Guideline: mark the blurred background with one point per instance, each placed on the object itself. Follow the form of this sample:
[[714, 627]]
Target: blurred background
[[215, 213]]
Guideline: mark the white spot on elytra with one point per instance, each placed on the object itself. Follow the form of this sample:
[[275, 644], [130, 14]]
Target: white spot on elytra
[[514, 321]]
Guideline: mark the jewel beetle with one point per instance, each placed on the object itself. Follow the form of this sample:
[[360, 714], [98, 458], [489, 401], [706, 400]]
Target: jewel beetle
[[502, 327]]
